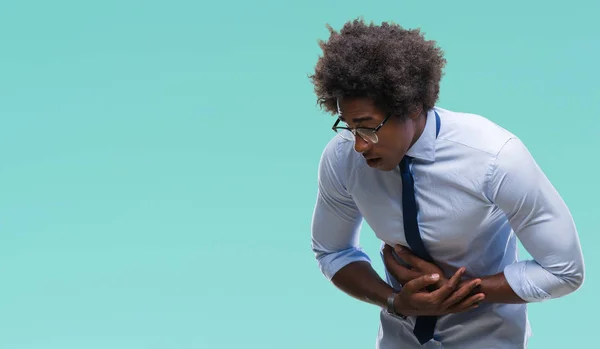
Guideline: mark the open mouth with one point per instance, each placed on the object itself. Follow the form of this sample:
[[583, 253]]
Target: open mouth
[[373, 162]]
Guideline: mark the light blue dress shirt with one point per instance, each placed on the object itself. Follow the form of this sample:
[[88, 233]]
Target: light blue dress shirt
[[478, 189]]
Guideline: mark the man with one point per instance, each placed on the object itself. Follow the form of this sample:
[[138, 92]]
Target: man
[[447, 193]]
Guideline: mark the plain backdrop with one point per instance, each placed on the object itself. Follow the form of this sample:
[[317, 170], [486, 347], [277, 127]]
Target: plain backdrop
[[158, 163]]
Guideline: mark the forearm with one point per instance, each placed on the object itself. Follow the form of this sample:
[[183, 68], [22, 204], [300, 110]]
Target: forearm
[[361, 281], [497, 290]]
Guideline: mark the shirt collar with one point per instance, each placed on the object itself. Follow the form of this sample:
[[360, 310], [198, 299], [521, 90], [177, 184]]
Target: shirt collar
[[424, 147]]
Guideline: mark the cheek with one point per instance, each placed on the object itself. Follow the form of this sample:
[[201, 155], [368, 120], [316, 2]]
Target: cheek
[[397, 142]]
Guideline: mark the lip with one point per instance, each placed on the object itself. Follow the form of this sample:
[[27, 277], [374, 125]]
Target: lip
[[373, 162]]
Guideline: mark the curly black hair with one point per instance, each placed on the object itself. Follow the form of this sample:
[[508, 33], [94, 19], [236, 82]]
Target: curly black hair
[[395, 67]]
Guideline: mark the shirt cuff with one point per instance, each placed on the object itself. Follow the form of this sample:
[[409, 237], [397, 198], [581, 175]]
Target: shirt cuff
[[517, 276], [331, 263]]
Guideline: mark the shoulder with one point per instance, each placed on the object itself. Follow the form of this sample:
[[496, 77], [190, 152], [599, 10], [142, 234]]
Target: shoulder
[[472, 131], [514, 158]]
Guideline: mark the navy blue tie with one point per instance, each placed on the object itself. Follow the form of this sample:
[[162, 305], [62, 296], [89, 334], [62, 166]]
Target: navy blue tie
[[425, 325]]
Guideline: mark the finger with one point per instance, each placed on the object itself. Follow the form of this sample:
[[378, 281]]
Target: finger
[[460, 294], [391, 251], [455, 279], [410, 257], [439, 295], [400, 272], [468, 304], [420, 283]]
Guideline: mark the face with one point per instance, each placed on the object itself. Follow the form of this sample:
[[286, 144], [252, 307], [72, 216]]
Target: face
[[395, 137]]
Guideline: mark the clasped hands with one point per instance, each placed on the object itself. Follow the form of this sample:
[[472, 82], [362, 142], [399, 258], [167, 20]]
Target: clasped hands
[[425, 290]]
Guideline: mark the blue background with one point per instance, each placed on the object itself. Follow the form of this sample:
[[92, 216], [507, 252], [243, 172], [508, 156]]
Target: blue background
[[159, 162]]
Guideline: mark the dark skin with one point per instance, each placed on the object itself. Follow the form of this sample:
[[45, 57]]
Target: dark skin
[[361, 281], [495, 287], [422, 293], [395, 137]]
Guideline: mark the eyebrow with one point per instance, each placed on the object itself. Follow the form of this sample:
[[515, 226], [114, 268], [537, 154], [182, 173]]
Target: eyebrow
[[359, 119]]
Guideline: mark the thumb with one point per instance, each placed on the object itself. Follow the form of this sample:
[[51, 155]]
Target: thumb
[[398, 269], [409, 257], [404, 252], [421, 282]]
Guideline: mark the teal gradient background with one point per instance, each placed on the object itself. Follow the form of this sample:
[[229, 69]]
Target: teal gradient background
[[159, 163]]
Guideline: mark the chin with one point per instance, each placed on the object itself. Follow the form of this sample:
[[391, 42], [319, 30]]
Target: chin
[[386, 167]]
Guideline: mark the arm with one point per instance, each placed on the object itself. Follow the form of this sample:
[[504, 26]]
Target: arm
[[335, 229], [543, 224], [540, 220], [361, 281]]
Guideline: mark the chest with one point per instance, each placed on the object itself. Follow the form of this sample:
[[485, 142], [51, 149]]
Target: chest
[[453, 211]]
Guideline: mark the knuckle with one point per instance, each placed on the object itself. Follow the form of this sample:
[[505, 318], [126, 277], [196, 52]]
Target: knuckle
[[454, 299], [447, 291], [437, 301], [462, 294]]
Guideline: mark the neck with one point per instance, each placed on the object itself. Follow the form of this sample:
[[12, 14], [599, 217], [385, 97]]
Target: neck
[[419, 124]]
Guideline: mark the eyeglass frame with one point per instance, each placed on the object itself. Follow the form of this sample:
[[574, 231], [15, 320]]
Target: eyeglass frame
[[354, 131]]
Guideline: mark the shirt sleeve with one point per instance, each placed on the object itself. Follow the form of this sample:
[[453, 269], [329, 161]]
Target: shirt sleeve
[[543, 224], [336, 221]]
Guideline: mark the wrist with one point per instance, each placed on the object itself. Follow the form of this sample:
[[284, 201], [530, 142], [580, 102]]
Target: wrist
[[392, 307], [497, 290], [381, 297], [361, 281]]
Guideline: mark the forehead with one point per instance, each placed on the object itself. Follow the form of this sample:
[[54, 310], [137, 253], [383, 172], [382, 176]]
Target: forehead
[[353, 110]]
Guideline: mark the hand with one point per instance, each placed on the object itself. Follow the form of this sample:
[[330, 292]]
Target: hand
[[418, 266], [412, 301]]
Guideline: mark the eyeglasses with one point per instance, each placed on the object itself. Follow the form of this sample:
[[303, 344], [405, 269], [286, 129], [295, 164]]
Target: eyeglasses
[[368, 134]]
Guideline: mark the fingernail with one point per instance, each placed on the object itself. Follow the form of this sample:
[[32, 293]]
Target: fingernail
[[398, 248], [435, 276]]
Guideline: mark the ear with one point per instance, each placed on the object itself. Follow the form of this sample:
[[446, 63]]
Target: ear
[[416, 111]]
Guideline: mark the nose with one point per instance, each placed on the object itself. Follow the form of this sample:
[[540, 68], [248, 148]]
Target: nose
[[360, 145]]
